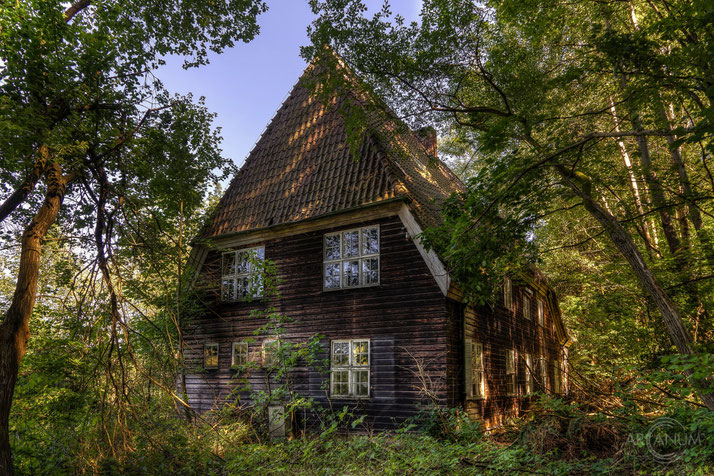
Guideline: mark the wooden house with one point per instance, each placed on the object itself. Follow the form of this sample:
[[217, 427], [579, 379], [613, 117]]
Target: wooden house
[[339, 223]]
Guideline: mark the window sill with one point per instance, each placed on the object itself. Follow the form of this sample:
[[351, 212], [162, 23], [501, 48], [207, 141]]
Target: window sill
[[326, 290]]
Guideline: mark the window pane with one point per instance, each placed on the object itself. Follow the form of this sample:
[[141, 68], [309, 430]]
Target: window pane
[[477, 384], [350, 270], [332, 247], [350, 244], [360, 383], [229, 264], [242, 262], [340, 353], [228, 292], [240, 353], [476, 358], [370, 271], [526, 307], [340, 382], [243, 286], [270, 348], [370, 241], [210, 355], [360, 353], [332, 275]]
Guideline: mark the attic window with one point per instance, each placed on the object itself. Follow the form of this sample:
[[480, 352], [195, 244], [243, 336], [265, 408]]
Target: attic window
[[351, 258], [241, 274]]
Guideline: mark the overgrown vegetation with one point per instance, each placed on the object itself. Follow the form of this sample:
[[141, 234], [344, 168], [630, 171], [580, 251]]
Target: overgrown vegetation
[[567, 120]]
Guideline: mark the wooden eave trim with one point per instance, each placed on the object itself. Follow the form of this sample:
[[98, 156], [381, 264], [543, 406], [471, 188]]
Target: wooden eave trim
[[437, 268], [195, 262], [373, 211]]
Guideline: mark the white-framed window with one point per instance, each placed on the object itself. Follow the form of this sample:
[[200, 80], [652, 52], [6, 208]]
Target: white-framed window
[[210, 355], [543, 373], [526, 306], [510, 372], [241, 275], [351, 258], [349, 368], [528, 361], [269, 352], [557, 382], [474, 370], [541, 312], [507, 294], [239, 354]]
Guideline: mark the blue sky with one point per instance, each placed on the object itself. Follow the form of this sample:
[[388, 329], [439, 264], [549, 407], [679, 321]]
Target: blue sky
[[246, 84]]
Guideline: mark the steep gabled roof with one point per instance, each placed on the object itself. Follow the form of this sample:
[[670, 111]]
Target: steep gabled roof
[[302, 166]]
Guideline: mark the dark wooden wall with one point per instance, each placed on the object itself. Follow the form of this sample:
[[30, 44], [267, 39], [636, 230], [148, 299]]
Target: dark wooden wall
[[406, 314], [499, 329]]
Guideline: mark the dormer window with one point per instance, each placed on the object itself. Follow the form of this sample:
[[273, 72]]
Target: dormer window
[[351, 258], [241, 274]]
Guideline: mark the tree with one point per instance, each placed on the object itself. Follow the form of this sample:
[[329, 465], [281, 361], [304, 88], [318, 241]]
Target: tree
[[587, 105], [90, 140]]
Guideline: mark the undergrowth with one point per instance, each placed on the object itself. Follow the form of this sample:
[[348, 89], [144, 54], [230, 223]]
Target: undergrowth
[[556, 437]]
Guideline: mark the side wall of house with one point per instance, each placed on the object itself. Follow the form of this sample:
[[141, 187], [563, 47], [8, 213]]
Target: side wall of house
[[500, 329], [404, 318]]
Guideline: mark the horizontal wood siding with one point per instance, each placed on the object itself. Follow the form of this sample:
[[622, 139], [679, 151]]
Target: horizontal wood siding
[[500, 329], [404, 318]]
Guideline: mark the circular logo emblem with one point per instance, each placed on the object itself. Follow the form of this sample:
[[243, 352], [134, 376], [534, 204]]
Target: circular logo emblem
[[666, 440]]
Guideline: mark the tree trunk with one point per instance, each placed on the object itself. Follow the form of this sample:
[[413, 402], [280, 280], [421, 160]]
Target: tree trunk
[[15, 329], [622, 240], [686, 186], [634, 186]]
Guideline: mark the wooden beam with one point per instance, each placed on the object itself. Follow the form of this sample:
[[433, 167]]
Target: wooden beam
[[437, 268]]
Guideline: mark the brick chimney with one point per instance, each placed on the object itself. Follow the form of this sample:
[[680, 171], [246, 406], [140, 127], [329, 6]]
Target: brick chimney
[[427, 136]]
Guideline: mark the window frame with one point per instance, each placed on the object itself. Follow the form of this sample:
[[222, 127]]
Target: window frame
[[528, 362], [526, 302], [508, 293], [206, 345], [264, 350], [512, 375], [540, 312], [250, 274], [476, 370], [360, 257], [234, 344], [543, 370], [557, 378], [351, 368]]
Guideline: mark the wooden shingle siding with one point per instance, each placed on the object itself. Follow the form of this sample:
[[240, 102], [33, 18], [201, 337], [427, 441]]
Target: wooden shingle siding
[[406, 314]]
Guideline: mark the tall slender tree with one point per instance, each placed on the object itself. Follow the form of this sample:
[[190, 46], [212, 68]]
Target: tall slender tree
[[86, 129]]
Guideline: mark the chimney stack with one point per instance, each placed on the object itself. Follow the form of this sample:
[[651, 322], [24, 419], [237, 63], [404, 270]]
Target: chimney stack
[[427, 136]]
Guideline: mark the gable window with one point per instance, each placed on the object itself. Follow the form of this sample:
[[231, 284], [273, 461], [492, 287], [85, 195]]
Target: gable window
[[349, 366], [240, 276], [239, 354], [510, 372], [528, 359], [210, 355], [526, 306], [269, 352], [541, 312], [351, 258], [543, 371], [475, 383], [507, 294]]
